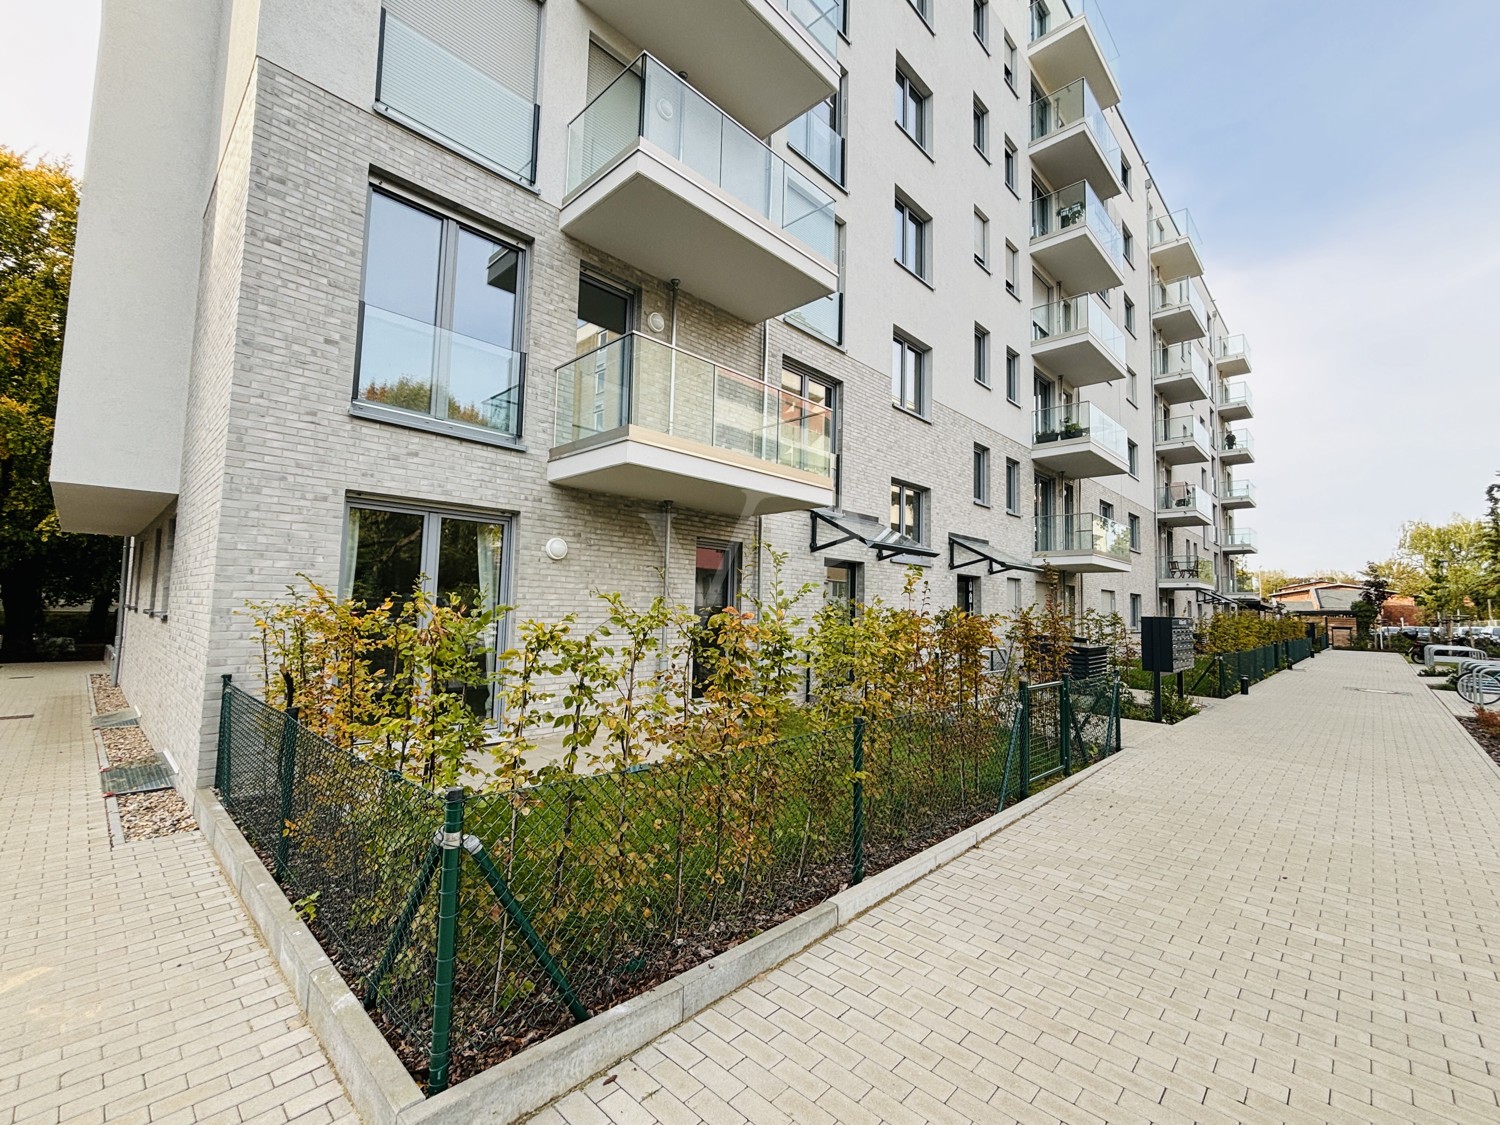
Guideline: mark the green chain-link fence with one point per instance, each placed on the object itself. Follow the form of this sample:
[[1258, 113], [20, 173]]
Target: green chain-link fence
[[527, 910]]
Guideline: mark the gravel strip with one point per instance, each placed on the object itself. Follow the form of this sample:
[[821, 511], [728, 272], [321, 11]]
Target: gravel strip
[[107, 697], [146, 816], [127, 746]]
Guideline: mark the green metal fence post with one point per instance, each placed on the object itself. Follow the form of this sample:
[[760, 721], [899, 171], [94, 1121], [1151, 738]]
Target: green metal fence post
[[447, 939], [1114, 714], [475, 847], [1223, 687], [286, 769], [1065, 735], [857, 834], [226, 734], [1025, 720]]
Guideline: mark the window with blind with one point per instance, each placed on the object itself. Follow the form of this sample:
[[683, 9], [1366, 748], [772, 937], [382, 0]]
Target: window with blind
[[464, 72]]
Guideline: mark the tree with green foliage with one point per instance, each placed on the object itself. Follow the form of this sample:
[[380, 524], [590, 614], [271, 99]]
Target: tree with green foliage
[[39, 564], [1451, 558]]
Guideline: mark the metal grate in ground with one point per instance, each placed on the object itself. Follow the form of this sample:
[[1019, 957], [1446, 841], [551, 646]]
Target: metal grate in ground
[[143, 777]]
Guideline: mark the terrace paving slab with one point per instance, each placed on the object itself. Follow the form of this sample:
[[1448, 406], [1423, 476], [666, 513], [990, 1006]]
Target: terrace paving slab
[[1284, 909]]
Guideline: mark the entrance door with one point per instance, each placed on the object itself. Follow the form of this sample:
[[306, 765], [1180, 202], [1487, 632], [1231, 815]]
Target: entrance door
[[1046, 508], [601, 387]]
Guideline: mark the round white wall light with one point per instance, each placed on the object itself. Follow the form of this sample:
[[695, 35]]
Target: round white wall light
[[656, 322], [556, 548]]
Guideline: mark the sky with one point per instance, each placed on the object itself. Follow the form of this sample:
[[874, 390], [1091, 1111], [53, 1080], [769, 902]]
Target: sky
[[1341, 160]]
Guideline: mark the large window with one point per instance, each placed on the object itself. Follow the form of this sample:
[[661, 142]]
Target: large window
[[912, 238], [819, 134], [912, 107], [982, 22], [824, 392], [909, 510], [1013, 375], [909, 375], [981, 475], [464, 72], [1135, 531], [389, 549], [440, 323], [1012, 487]]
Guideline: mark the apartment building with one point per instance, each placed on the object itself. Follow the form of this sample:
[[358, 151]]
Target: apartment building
[[536, 300]]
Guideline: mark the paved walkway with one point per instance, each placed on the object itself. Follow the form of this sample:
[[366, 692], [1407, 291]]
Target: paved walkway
[[132, 987], [1287, 909]]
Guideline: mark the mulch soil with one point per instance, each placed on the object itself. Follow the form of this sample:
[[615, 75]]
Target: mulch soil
[[1488, 739], [127, 746], [143, 816], [107, 697]]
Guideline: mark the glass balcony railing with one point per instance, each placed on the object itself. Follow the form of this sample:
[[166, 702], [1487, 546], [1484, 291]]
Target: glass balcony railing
[[1241, 584], [1226, 347], [1235, 392], [1181, 497], [1172, 361], [1084, 533], [1237, 490], [1049, 15], [1183, 429], [1074, 316], [819, 142], [647, 101], [1240, 537], [419, 368], [824, 19], [1186, 568], [1232, 441], [1163, 229], [1075, 102], [823, 317], [1071, 207], [1079, 420], [638, 381], [1177, 294], [435, 90]]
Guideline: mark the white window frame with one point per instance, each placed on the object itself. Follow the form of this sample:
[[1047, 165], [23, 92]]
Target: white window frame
[[981, 239], [914, 233], [981, 473], [981, 355], [913, 107], [909, 383]]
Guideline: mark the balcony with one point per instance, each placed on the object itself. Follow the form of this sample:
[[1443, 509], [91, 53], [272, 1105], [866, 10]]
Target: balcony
[[1236, 447], [1186, 572], [765, 61], [1079, 440], [1180, 504], [1069, 39], [1177, 312], [1231, 355], [641, 419], [1174, 245], [1076, 340], [1183, 441], [1082, 543], [824, 318], [1241, 587], [1239, 541], [1071, 140], [1179, 374], [1074, 239], [1235, 403], [662, 178], [818, 142], [1237, 494]]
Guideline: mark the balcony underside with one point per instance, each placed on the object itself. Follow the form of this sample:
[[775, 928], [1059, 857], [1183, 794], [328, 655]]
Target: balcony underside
[[751, 57], [647, 465], [1080, 359], [1080, 562], [1072, 154], [1178, 323], [1229, 365], [1074, 257], [1185, 582], [1179, 388], [102, 509], [1077, 458], [1235, 411], [1189, 516], [655, 213], [1243, 595], [1069, 52], [1236, 501], [1239, 548], [1177, 259], [1236, 457], [1183, 451]]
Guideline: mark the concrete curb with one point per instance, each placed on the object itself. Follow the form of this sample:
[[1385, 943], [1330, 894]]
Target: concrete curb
[[528, 1081], [384, 1093], [373, 1078]]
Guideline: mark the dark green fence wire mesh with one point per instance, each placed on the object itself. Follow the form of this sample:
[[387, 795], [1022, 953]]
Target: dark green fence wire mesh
[[582, 892]]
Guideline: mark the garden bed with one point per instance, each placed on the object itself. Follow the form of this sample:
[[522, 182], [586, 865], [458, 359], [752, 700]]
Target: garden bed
[[143, 816]]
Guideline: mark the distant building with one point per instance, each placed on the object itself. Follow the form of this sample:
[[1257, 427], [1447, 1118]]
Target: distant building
[[1330, 601]]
